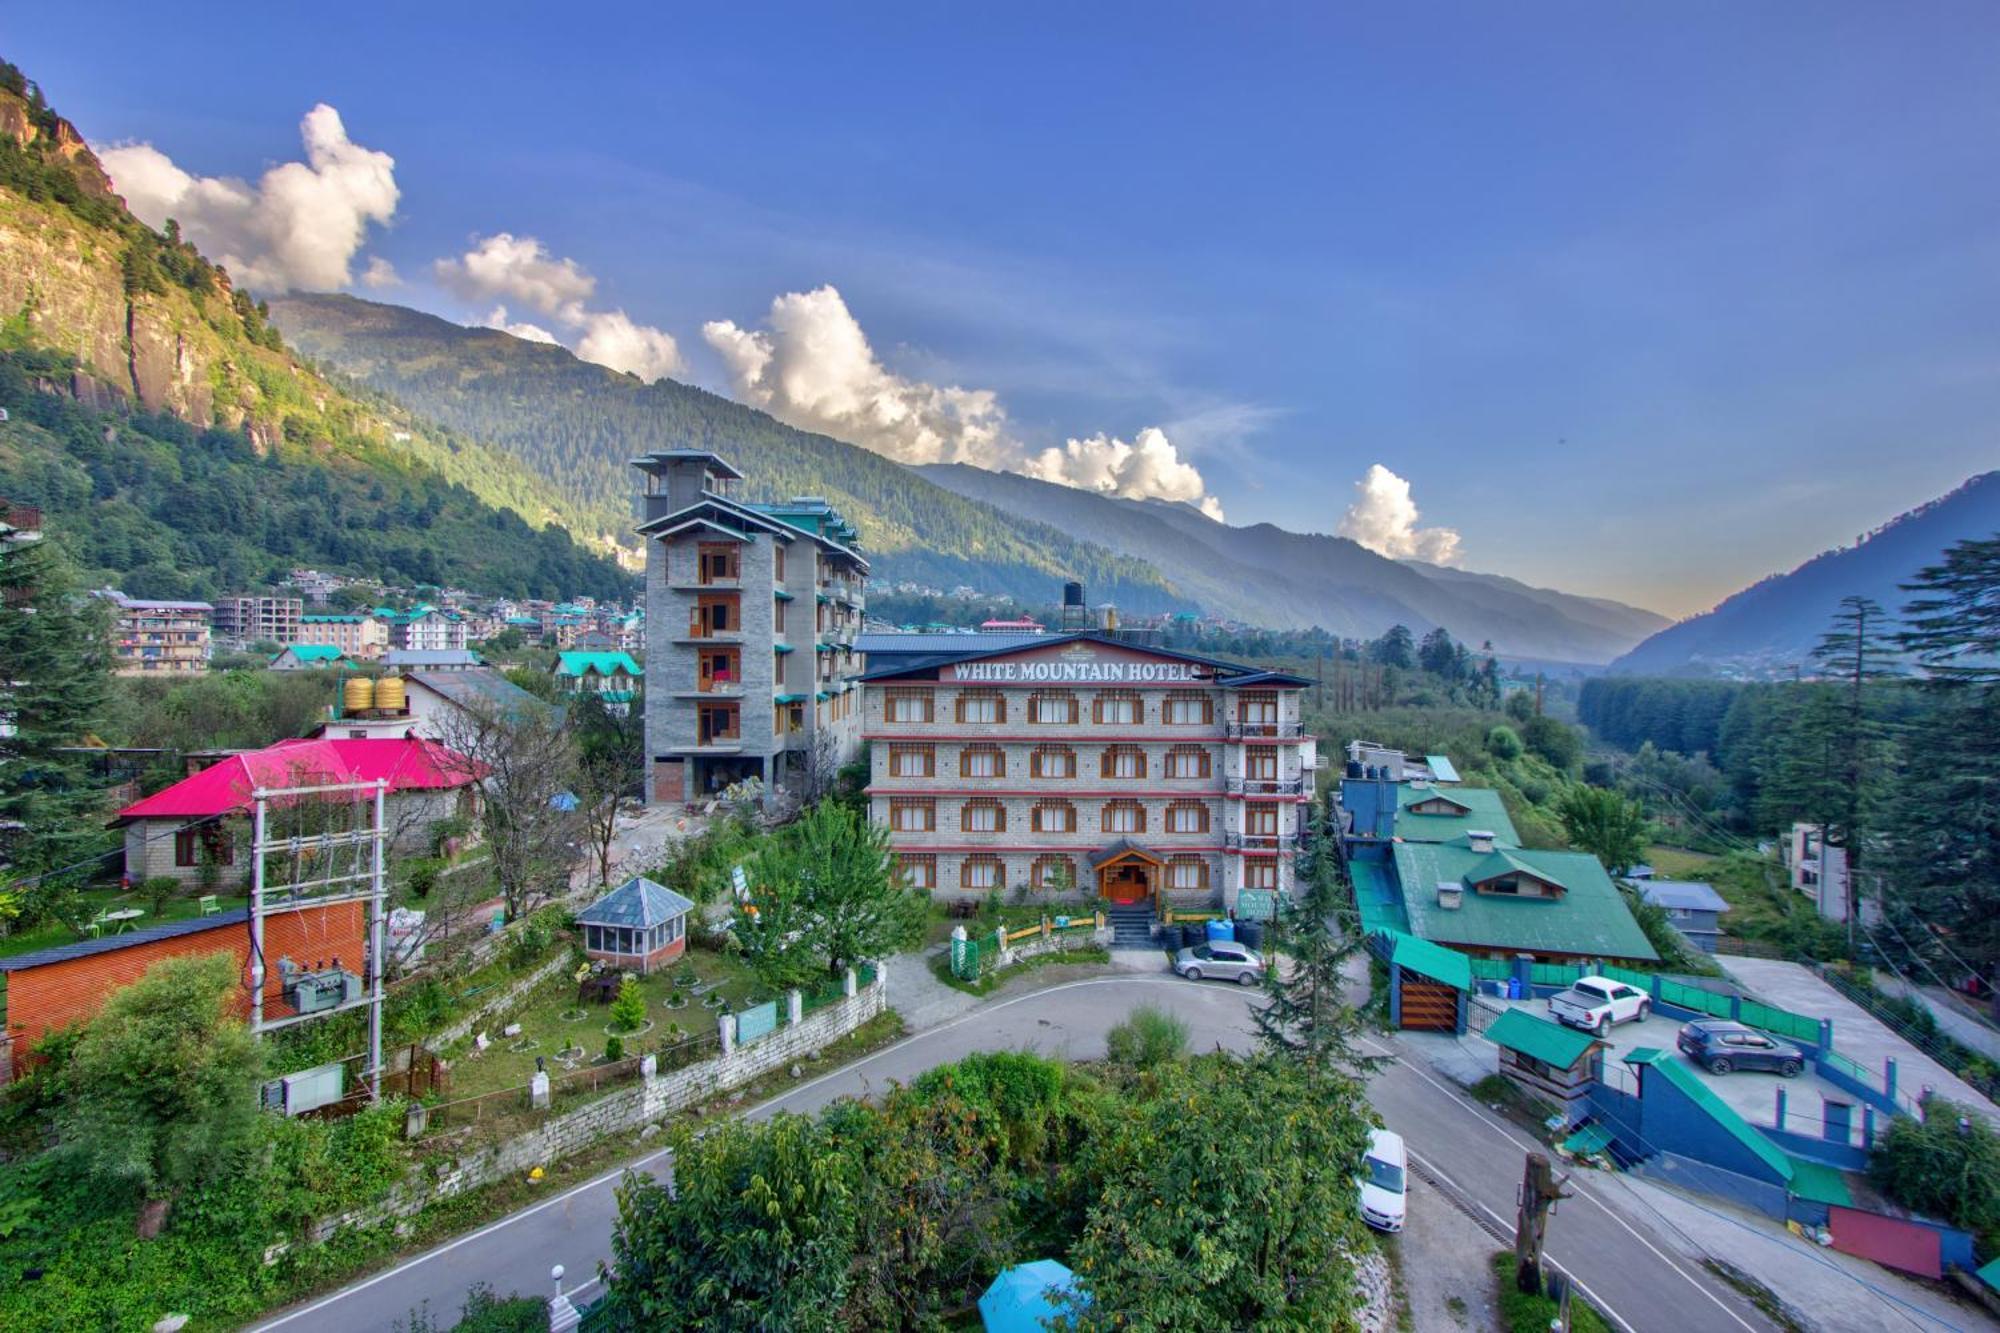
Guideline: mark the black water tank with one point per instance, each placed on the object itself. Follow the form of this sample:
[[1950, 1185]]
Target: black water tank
[[1354, 768], [1250, 934], [1072, 593]]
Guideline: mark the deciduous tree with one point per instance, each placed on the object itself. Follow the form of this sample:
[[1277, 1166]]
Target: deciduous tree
[[1605, 824]]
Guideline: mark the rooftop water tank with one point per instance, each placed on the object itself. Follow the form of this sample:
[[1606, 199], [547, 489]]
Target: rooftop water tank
[[1072, 593], [391, 696], [358, 694]]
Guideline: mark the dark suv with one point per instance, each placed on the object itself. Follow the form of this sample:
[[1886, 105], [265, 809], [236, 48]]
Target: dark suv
[[1720, 1046]]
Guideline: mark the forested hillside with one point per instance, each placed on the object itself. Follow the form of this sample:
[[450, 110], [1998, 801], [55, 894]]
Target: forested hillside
[[178, 448], [1771, 626], [1290, 580], [579, 425]]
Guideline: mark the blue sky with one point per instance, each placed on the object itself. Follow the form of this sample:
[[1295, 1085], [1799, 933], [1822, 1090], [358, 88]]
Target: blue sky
[[1645, 305]]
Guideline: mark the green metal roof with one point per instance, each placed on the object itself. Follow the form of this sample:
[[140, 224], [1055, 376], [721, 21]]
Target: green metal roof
[[312, 652], [1590, 1139], [1673, 1071], [1441, 767], [1819, 1183], [602, 664], [1429, 960], [781, 648], [1990, 1274], [783, 596], [788, 698], [1501, 862], [1590, 919], [1375, 897], [1551, 1043], [1484, 811]]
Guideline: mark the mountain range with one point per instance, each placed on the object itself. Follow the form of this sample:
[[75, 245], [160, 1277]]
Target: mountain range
[[579, 424], [1773, 625]]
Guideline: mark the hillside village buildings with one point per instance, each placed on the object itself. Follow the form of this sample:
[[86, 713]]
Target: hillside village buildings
[[754, 609], [1083, 763], [249, 619], [158, 637], [361, 637]]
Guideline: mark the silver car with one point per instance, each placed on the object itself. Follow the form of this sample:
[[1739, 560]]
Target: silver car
[[1225, 960]]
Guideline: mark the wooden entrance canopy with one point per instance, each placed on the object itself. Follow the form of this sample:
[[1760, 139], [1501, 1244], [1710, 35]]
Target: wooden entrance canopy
[[1126, 871]]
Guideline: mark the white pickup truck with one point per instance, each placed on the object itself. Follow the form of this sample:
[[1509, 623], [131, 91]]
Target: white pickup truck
[[1595, 1003]]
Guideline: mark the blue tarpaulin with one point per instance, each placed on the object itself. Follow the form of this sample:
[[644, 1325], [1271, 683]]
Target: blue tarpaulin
[[1024, 1296]]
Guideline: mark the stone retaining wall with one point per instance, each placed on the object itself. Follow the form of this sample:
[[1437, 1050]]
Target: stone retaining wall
[[501, 1002], [651, 1099]]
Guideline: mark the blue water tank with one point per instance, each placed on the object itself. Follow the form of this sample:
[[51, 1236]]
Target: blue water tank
[[1221, 930], [1514, 989]]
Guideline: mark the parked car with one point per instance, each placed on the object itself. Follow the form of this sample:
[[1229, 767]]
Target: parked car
[[1385, 1177], [1225, 960], [1595, 1003], [1720, 1046]]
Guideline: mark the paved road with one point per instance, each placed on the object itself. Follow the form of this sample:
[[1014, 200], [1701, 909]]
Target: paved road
[[1629, 1269]]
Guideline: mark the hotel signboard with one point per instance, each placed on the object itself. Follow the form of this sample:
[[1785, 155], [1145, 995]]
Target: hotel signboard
[[1075, 671]]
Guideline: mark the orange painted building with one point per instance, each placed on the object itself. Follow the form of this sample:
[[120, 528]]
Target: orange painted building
[[68, 984]]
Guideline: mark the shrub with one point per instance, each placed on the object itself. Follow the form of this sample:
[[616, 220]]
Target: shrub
[[1947, 1164], [1503, 743], [159, 891], [1149, 1037], [423, 875], [614, 1049], [628, 1011]]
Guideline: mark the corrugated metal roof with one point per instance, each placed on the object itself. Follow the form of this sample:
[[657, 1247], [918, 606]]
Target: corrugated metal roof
[[1485, 812], [604, 664], [165, 930], [1430, 960], [430, 657], [1590, 918], [1688, 894], [1551, 1043], [637, 902], [1441, 767], [225, 788]]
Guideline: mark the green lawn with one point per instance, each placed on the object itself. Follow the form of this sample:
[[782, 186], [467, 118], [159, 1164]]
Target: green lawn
[[1680, 863], [569, 1037], [96, 901]]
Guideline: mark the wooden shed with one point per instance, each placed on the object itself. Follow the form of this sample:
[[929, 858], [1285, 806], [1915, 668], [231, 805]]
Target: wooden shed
[[1554, 1063]]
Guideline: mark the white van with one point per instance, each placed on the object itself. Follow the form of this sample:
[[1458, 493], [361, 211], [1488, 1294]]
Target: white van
[[1385, 1175]]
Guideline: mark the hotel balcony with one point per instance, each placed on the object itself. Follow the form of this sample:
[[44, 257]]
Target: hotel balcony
[[1259, 842], [713, 583], [701, 632], [1265, 787], [1279, 731]]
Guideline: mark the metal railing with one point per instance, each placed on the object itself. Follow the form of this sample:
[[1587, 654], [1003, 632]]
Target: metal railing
[[1260, 842], [1284, 731], [1265, 787]]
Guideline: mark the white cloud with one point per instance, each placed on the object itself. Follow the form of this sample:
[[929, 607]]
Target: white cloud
[[1148, 467], [1383, 518], [299, 226], [506, 267], [610, 338], [496, 318], [517, 268], [811, 365], [380, 273]]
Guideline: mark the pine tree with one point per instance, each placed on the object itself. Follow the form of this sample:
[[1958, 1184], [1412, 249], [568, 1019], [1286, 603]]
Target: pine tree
[[1857, 651], [1306, 1017], [55, 646], [1952, 625]]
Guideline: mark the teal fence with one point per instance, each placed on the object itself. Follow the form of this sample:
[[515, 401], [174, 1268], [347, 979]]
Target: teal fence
[[826, 993], [1492, 969], [1781, 1021], [864, 976], [1554, 974], [1695, 998], [1643, 980], [969, 958], [757, 1021]]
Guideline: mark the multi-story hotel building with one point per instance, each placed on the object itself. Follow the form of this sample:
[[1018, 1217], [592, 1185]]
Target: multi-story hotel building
[[259, 619], [359, 636], [158, 637], [1084, 764], [752, 612]]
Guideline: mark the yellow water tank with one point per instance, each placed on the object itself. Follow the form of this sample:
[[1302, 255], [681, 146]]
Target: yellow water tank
[[358, 695], [390, 696]]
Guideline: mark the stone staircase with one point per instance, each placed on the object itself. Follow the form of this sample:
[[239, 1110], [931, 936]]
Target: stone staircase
[[1131, 926]]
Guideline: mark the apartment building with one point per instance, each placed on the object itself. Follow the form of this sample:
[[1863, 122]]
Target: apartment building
[[259, 619], [752, 669], [362, 637], [155, 637], [424, 629], [1082, 764]]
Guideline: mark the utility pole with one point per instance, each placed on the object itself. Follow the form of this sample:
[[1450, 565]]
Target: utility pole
[[1540, 1191]]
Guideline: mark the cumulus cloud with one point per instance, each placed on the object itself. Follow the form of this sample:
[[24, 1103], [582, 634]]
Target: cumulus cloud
[[496, 318], [811, 365], [380, 273], [1148, 467], [299, 226], [1383, 518], [520, 269]]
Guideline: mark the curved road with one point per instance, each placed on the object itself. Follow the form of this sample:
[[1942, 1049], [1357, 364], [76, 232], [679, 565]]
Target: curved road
[[1643, 1280]]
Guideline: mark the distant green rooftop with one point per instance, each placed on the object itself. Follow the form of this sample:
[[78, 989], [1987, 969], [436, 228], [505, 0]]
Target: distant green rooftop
[[1590, 919], [581, 664], [1375, 897], [1484, 811], [1429, 960]]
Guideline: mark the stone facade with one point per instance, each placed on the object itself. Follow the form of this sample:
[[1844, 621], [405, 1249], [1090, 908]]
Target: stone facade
[[753, 612], [1244, 787]]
